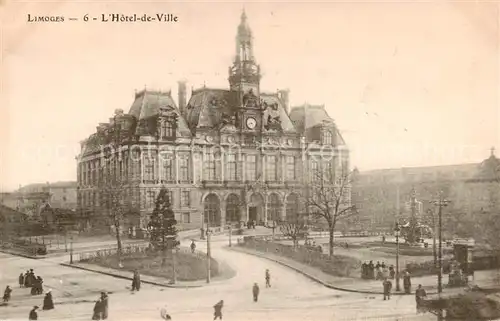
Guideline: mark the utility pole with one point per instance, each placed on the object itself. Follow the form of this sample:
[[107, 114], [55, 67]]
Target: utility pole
[[71, 251], [440, 203], [208, 255], [396, 232]]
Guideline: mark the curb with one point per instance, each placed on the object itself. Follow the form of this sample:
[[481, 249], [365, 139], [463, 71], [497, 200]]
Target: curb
[[129, 278], [317, 279], [22, 254]]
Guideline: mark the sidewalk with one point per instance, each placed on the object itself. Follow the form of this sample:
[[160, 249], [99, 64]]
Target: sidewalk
[[429, 283], [127, 275]]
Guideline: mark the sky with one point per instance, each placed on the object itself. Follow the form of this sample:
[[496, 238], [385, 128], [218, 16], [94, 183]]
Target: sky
[[407, 83]]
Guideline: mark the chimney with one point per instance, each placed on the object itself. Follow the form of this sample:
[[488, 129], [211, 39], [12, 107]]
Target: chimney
[[283, 95], [182, 96]]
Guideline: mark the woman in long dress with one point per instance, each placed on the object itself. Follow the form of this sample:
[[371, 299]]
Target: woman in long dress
[[48, 303]]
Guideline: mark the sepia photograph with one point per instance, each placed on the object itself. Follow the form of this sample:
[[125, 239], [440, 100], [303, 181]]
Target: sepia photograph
[[224, 160]]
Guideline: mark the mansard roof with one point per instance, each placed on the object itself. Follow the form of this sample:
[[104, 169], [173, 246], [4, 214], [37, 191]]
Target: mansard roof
[[207, 106], [275, 108], [146, 108], [307, 118]]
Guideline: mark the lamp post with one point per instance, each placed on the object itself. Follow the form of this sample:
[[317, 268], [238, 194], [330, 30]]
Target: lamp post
[[397, 231], [440, 204], [230, 233], [71, 250], [209, 233]]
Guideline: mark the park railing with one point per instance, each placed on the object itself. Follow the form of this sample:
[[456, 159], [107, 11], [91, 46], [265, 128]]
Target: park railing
[[128, 250], [338, 265]]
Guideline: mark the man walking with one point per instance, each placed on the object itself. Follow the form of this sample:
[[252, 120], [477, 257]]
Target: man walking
[[218, 310], [255, 291], [420, 294], [136, 281], [268, 279], [193, 246], [387, 289], [33, 314]]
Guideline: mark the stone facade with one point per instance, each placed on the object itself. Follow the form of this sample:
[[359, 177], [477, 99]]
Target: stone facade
[[473, 189], [227, 156]]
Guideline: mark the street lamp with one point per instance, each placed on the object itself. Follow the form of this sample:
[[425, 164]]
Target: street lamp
[[397, 231], [71, 250], [209, 233], [230, 233]]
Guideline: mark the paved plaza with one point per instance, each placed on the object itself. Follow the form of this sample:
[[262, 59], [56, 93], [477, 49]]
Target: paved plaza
[[292, 296]]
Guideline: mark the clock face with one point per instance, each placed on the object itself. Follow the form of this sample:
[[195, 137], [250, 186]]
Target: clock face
[[251, 122]]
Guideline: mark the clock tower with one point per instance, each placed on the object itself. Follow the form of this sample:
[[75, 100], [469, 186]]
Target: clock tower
[[244, 79]]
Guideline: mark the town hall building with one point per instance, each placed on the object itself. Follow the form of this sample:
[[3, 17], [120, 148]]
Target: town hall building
[[225, 155]]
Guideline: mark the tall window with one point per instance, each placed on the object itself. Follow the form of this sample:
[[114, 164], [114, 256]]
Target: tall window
[[150, 199], [184, 168], [251, 167], [274, 208], [211, 210], [185, 199], [231, 167], [271, 168], [327, 138], [290, 168], [315, 174], [233, 209], [168, 168], [167, 129], [149, 168], [211, 167]]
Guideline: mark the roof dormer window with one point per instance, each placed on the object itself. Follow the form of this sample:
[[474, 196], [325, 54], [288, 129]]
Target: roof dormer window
[[326, 137], [167, 129]]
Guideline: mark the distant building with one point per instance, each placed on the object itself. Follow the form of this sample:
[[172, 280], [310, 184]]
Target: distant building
[[228, 155], [30, 199], [383, 195]]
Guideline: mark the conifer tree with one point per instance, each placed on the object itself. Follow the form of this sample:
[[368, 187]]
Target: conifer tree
[[163, 230]]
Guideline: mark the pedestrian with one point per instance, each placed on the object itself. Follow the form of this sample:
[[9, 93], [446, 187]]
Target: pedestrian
[[363, 270], [97, 310], [268, 279], [193, 246], [420, 294], [33, 313], [136, 281], [218, 310], [371, 270], [104, 306], [383, 265], [21, 280], [164, 314], [6, 294], [377, 265], [383, 239], [27, 279], [48, 303], [392, 272], [387, 289], [407, 282], [255, 292]]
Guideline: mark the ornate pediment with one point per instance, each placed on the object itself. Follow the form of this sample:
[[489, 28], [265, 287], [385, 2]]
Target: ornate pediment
[[273, 123]]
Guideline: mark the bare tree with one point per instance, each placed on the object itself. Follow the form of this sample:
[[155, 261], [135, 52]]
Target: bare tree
[[293, 230], [113, 191], [328, 197]]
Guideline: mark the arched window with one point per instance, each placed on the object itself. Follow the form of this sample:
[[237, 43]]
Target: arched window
[[233, 209], [274, 208], [292, 208], [212, 210]]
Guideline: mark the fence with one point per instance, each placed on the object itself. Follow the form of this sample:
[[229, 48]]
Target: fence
[[129, 250], [338, 266]]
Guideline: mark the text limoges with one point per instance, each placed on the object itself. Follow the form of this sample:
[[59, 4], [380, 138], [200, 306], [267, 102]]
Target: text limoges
[[32, 18]]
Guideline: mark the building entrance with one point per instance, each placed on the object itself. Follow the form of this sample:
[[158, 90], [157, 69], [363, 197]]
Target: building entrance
[[252, 213]]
